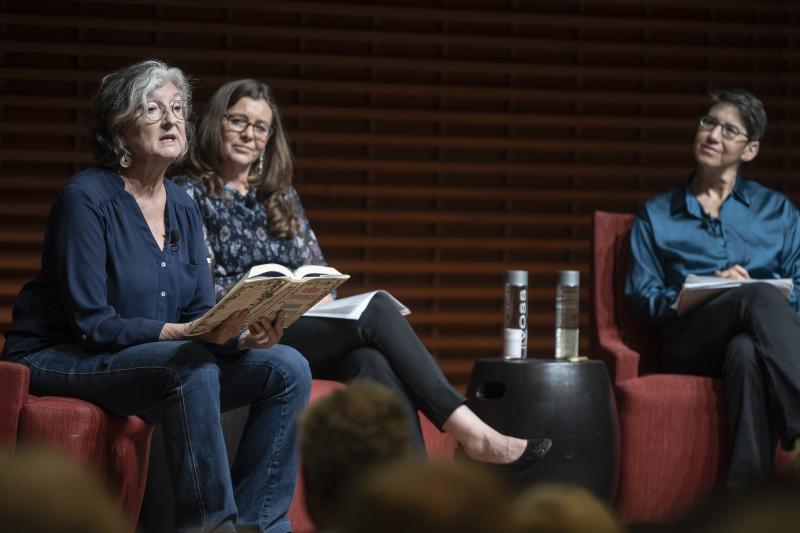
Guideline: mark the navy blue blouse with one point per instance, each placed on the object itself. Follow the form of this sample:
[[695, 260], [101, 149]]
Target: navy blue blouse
[[238, 236], [105, 284], [672, 237]]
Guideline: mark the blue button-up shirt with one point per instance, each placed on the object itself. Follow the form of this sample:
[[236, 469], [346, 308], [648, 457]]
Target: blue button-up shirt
[[672, 237], [105, 284]]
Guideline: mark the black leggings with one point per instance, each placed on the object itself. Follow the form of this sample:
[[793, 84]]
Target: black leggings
[[383, 347], [750, 336]]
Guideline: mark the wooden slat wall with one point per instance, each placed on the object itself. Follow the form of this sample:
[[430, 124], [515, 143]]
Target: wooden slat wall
[[438, 143]]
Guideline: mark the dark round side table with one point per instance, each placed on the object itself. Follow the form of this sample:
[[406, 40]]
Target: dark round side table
[[571, 403]]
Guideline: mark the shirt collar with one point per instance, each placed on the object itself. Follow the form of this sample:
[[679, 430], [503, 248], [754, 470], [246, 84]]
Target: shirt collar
[[684, 200]]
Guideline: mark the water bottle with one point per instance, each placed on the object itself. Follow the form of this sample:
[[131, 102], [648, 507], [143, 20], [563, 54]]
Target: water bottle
[[516, 315], [567, 313]]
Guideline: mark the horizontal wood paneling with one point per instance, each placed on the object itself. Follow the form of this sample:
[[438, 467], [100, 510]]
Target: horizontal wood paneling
[[438, 143]]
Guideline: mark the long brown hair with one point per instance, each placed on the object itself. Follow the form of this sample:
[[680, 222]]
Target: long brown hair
[[276, 173]]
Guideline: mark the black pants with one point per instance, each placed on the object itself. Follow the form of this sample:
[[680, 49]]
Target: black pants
[[750, 336], [383, 347]]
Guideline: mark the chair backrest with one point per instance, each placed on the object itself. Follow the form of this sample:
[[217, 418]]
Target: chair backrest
[[617, 333]]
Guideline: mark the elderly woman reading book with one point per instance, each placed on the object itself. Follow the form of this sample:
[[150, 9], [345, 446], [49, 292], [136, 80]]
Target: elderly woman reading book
[[123, 274]]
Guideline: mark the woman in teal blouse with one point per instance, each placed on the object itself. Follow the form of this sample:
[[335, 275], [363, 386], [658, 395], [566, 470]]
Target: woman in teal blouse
[[719, 224]]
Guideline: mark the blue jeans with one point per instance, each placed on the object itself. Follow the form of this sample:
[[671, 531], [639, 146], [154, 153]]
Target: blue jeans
[[185, 386]]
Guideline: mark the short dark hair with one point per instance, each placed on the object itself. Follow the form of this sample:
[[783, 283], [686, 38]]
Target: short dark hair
[[750, 107], [121, 95], [343, 437]]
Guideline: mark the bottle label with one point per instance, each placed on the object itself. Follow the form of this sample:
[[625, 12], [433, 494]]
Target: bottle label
[[514, 339], [567, 307], [516, 322]]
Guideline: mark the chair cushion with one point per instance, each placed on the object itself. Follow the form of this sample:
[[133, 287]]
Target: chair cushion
[[673, 434], [73, 426], [116, 448]]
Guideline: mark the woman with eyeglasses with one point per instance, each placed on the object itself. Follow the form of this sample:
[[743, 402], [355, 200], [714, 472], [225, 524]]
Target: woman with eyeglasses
[[123, 274], [717, 223], [240, 175]]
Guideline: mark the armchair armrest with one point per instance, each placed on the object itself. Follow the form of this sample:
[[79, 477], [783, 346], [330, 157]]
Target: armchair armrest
[[14, 378], [611, 256], [622, 362]]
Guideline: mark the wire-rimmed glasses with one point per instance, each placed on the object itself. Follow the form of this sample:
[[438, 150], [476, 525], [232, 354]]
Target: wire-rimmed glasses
[[239, 123], [728, 131], [155, 111]]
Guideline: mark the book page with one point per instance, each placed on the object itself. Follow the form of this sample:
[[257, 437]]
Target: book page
[[315, 270], [351, 307], [271, 270]]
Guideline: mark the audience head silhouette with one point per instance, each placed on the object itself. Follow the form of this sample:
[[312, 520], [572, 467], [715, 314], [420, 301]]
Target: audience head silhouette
[[429, 498], [41, 492], [342, 437], [561, 508]]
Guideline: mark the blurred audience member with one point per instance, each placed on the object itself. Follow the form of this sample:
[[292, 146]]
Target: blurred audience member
[[771, 505], [41, 492], [556, 508], [342, 437], [429, 498]]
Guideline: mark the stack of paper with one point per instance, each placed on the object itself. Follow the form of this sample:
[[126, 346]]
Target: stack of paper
[[697, 290], [350, 308]]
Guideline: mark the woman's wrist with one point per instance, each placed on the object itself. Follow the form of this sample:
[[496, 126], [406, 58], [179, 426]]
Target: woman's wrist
[[173, 332]]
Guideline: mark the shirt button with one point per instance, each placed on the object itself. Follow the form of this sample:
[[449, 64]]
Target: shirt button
[[163, 293], [163, 264], [83, 337]]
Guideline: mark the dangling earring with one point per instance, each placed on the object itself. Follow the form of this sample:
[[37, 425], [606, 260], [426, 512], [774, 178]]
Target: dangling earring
[[260, 165], [125, 161]]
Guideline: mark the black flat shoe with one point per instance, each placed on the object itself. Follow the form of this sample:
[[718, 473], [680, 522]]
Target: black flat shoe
[[534, 451]]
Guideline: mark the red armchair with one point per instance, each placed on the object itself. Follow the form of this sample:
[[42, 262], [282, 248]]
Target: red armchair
[[116, 448], [673, 428]]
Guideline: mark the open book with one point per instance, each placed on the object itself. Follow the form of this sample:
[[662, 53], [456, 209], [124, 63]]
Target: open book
[[351, 307], [697, 290], [267, 289]]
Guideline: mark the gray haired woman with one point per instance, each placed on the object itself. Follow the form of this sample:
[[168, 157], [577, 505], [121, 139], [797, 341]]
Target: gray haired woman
[[123, 273]]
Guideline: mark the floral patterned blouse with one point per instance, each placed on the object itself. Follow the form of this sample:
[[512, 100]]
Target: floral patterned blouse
[[238, 238]]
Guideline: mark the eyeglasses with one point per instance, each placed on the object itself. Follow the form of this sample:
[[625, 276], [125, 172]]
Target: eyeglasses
[[155, 111], [729, 131], [239, 123]]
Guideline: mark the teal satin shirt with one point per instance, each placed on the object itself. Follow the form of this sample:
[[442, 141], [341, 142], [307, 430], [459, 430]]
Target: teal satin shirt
[[672, 237]]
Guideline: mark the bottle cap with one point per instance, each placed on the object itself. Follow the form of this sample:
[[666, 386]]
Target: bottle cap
[[569, 278], [517, 277]]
